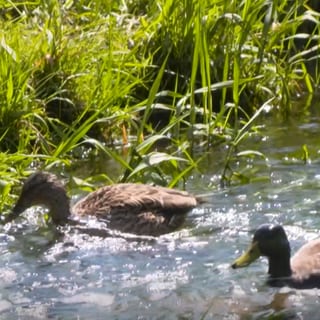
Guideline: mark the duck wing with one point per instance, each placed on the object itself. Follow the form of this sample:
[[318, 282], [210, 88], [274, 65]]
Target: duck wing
[[135, 199]]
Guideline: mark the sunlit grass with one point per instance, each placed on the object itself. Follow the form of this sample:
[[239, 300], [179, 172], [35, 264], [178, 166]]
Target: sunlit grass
[[195, 73]]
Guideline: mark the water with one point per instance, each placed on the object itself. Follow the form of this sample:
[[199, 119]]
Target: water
[[71, 274]]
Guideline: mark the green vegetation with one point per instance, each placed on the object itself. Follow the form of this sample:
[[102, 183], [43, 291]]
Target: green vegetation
[[123, 78]]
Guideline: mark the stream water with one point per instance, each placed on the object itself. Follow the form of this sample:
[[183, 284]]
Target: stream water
[[183, 275]]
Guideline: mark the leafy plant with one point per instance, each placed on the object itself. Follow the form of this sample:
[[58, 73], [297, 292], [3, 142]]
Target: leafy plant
[[104, 75]]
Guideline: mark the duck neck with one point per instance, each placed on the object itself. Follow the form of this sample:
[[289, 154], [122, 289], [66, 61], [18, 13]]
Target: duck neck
[[279, 266], [59, 208]]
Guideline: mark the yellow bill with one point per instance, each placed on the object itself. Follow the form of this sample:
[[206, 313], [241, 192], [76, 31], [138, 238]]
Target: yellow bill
[[252, 254]]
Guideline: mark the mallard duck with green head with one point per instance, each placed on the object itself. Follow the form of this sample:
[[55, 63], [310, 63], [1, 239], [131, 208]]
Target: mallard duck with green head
[[300, 271], [128, 207]]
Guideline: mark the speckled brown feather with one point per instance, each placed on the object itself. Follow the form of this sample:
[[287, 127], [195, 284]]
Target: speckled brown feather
[[134, 198], [134, 208], [138, 208]]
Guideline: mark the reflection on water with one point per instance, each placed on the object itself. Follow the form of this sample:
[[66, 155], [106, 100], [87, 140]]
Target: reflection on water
[[92, 273]]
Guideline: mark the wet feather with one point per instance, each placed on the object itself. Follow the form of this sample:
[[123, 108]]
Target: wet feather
[[128, 207]]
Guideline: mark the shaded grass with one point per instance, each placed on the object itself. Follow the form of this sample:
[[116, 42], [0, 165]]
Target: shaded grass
[[101, 74]]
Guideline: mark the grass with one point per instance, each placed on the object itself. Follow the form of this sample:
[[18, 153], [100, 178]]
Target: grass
[[104, 75]]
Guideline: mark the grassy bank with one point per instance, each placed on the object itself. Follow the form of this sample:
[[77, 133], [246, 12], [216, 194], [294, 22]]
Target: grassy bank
[[103, 76]]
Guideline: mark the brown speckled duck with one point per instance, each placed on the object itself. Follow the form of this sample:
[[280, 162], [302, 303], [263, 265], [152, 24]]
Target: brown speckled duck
[[132, 208], [302, 271]]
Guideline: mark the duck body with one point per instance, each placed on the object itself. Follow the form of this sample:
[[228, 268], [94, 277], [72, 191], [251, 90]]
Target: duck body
[[128, 207], [305, 265], [138, 208], [302, 271]]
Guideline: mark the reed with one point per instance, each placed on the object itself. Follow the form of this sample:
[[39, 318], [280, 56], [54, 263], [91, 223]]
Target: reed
[[104, 75]]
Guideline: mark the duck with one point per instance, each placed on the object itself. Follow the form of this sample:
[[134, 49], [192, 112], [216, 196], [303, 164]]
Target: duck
[[302, 271], [135, 208]]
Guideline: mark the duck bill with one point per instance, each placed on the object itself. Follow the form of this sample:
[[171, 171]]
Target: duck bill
[[9, 217], [16, 211], [252, 254]]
